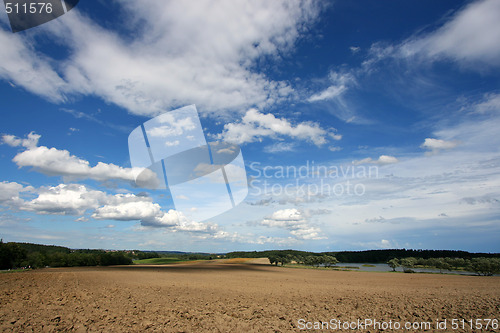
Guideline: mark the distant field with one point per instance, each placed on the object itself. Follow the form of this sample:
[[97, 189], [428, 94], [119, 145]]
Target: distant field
[[158, 261], [236, 296]]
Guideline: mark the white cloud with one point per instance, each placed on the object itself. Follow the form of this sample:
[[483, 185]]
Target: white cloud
[[280, 241], [10, 192], [383, 159], [169, 219], [30, 142], [340, 83], [177, 221], [334, 148], [171, 126], [172, 143], [354, 49], [292, 220], [491, 103], [150, 214], [199, 227], [55, 162], [470, 36], [255, 125], [280, 147], [437, 144], [382, 244], [27, 68], [329, 93], [206, 170], [284, 218], [154, 243], [72, 199], [76, 199], [344, 79], [155, 68], [128, 211], [333, 98], [335, 136]]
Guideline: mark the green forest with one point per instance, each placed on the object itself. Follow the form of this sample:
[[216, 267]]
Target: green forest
[[27, 255]]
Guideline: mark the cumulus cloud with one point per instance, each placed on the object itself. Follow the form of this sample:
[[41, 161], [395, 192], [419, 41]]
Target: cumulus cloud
[[335, 136], [154, 68], [294, 221], [55, 162], [31, 141], [77, 199], [72, 199], [10, 192], [134, 208], [255, 126], [436, 144], [128, 210], [383, 159]]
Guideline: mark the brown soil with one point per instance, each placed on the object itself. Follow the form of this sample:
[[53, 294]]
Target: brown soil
[[233, 296]]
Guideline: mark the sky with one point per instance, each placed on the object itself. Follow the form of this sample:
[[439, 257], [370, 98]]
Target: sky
[[362, 124]]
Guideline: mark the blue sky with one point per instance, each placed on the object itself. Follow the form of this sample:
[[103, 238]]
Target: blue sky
[[362, 124]]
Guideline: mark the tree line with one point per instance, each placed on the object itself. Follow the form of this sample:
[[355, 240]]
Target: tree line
[[28, 255], [369, 256], [481, 265], [308, 260], [382, 256]]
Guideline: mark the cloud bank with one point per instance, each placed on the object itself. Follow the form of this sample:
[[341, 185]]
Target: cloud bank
[[153, 69]]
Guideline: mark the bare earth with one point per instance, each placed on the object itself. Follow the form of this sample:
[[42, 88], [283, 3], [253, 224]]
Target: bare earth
[[233, 295]]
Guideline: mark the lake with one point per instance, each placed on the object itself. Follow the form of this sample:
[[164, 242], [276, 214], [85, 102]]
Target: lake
[[386, 268]]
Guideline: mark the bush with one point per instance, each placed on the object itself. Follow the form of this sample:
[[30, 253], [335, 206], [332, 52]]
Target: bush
[[408, 264], [485, 266], [393, 263]]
